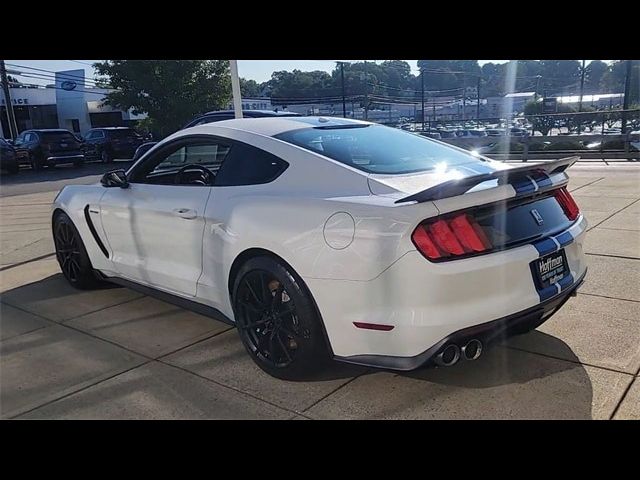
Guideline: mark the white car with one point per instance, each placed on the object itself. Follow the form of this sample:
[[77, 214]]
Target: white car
[[332, 238]]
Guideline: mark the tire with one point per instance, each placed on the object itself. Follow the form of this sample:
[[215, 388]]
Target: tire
[[36, 163], [105, 156], [13, 169], [78, 163], [291, 347], [72, 255]]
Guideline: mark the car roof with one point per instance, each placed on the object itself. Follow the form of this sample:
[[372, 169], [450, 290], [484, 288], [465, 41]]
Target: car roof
[[48, 130], [248, 113], [271, 126], [112, 128]]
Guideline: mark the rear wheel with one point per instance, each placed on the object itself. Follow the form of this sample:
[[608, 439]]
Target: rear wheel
[[277, 320], [72, 255]]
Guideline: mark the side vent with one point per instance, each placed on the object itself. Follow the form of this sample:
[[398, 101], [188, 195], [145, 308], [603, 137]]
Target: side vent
[[93, 232]]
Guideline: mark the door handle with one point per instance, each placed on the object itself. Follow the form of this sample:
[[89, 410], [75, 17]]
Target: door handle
[[185, 213]]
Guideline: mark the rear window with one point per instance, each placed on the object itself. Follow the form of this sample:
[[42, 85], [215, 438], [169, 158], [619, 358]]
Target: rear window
[[58, 137], [378, 149], [124, 133]]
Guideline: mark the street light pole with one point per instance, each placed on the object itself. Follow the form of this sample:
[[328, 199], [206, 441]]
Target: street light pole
[[627, 93], [581, 92], [366, 92], [235, 89], [344, 105], [478, 106], [11, 117], [422, 81]]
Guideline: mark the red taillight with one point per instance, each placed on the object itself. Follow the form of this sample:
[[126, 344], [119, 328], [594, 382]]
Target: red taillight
[[459, 235], [567, 203]]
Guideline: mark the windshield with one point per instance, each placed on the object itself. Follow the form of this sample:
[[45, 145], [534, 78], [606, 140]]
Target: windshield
[[378, 149]]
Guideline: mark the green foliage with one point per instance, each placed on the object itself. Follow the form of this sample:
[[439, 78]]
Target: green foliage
[[249, 88], [171, 92]]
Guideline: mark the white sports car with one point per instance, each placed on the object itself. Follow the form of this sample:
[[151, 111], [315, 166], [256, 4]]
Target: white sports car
[[326, 238]]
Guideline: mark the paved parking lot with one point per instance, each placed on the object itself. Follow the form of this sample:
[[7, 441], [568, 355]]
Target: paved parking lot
[[116, 354]]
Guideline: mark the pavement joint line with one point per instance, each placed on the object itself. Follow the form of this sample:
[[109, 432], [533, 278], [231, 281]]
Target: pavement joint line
[[230, 387], [196, 342], [575, 362], [587, 184], [82, 389], [615, 213], [24, 333], [25, 246], [336, 389], [13, 265], [624, 395], [84, 332], [612, 256], [610, 298], [62, 322], [619, 229]]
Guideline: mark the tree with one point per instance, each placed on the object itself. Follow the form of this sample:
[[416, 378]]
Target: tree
[[544, 124], [595, 72], [171, 92], [249, 88]]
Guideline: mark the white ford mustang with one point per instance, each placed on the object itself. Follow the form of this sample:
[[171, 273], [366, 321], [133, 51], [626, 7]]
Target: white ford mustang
[[330, 238]]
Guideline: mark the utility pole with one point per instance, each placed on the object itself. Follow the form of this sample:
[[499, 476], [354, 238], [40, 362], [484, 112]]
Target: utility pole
[[422, 81], [478, 107], [627, 93], [11, 117], [344, 105], [464, 97], [366, 92], [582, 72], [235, 88]]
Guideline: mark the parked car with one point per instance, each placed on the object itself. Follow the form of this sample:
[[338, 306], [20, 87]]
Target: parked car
[[518, 132], [219, 116], [495, 132], [109, 143], [48, 147], [330, 237], [447, 134], [8, 160]]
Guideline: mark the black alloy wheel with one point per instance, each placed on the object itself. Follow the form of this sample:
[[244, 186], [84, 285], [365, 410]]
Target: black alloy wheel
[[72, 255], [277, 320]]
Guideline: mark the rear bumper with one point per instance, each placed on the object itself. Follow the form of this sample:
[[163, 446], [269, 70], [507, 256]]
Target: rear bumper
[[425, 302], [487, 333]]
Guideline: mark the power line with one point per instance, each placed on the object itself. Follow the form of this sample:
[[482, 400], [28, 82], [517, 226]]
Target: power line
[[67, 76]]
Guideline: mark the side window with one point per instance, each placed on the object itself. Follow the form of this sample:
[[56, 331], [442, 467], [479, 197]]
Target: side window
[[247, 165], [30, 137], [209, 155], [91, 135]]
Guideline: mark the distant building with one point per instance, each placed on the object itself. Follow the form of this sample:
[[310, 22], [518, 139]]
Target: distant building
[[600, 100], [69, 103], [259, 103]]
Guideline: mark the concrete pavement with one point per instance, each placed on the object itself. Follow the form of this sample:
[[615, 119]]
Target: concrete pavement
[[114, 353]]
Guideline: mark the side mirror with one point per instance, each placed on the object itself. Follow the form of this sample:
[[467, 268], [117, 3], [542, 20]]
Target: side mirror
[[115, 178]]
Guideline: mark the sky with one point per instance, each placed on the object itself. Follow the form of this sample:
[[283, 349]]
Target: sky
[[258, 70]]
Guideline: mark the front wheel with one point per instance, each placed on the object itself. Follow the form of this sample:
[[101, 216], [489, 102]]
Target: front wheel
[[72, 255], [105, 157], [277, 320]]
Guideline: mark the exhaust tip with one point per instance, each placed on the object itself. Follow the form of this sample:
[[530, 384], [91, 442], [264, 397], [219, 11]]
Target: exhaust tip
[[448, 356], [472, 350]]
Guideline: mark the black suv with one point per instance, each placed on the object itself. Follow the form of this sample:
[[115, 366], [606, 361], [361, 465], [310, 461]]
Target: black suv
[[218, 116], [8, 159], [50, 147], [111, 142]]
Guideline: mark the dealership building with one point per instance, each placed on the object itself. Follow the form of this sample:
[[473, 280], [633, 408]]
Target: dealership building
[[69, 104]]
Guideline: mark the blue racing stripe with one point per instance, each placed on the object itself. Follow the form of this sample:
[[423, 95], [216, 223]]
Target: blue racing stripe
[[566, 282], [548, 292], [524, 186], [564, 238], [545, 246], [542, 179]]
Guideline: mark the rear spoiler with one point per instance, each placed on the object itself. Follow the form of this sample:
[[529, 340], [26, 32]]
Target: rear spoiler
[[453, 188]]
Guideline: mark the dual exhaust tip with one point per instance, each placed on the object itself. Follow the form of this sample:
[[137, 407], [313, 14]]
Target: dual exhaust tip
[[452, 353]]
